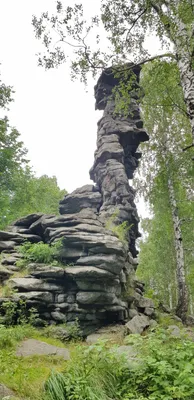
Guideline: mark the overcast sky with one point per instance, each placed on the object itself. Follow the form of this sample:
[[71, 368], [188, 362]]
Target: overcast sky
[[55, 116]]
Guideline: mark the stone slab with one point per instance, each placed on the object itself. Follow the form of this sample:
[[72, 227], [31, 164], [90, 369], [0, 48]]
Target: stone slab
[[31, 347]]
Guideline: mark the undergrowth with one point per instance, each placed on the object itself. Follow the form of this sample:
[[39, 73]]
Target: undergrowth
[[25, 375], [164, 370], [39, 253], [92, 374]]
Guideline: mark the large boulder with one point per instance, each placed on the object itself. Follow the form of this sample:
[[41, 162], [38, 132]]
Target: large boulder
[[138, 324]]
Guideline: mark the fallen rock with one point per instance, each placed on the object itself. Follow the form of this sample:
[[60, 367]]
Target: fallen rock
[[143, 302], [31, 347], [149, 311], [113, 333], [128, 351], [174, 330], [58, 316], [138, 324], [132, 312]]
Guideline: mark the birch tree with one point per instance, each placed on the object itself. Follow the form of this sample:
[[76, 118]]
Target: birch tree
[[117, 35], [168, 177]]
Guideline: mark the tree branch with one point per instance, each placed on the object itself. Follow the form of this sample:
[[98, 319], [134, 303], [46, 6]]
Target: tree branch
[[161, 14]]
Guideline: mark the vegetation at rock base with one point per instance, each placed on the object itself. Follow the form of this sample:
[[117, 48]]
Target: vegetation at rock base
[[162, 369]]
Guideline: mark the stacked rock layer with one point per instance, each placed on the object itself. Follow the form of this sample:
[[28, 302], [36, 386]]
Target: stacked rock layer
[[95, 283]]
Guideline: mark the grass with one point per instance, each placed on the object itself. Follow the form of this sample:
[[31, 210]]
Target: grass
[[26, 376]]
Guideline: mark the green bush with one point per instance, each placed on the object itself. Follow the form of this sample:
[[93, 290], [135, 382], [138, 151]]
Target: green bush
[[166, 368], [120, 230], [164, 371], [12, 313], [93, 373], [64, 332], [40, 253]]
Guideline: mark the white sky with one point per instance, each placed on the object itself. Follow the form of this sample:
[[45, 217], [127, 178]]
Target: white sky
[[55, 116]]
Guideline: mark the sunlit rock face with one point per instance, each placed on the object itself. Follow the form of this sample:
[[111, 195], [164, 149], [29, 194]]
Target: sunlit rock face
[[95, 283]]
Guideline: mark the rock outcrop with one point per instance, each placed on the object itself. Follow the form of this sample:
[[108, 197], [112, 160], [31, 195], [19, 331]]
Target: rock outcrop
[[98, 227]]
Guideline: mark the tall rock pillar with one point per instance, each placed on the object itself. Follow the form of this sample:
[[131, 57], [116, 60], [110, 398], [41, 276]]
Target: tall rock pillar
[[116, 157]]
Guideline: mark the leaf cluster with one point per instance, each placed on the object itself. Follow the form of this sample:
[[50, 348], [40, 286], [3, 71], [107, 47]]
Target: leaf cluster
[[40, 252]]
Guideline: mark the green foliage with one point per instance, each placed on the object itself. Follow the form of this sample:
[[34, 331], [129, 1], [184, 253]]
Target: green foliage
[[25, 375], [40, 253], [64, 332], [120, 230], [9, 336], [93, 373], [21, 191], [16, 313], [166, 368], [165, 118]]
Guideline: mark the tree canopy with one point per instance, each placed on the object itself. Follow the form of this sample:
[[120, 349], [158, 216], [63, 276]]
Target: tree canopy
[[117, 35], [21, 191]]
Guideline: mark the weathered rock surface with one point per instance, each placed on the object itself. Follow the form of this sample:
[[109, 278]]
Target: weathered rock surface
[[99, 261], [4, 274], [138, 324], [31, 347], [114, 333]]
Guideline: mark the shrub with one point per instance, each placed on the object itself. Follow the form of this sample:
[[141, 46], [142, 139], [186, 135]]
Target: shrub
[[92, 374], [64, 332], [40, 253], [13, 313], [120, 230], [164, 371]]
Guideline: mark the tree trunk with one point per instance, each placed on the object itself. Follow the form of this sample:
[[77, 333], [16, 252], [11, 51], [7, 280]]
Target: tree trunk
[[185, 54], [170, 295], [182, 306], [191, 304]]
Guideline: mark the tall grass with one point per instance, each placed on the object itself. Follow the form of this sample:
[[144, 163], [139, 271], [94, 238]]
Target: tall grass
[[92, 374], [9, 336]]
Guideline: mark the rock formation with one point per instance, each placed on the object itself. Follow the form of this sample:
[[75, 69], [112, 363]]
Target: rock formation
[[95, 283]]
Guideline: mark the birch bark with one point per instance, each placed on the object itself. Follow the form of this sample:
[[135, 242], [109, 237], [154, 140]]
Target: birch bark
[[182, 306], [184, 48]]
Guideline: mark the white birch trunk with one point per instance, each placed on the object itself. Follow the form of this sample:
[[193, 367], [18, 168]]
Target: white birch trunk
[[184, 48], [191, 304], [170, 296], [182, 306]]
